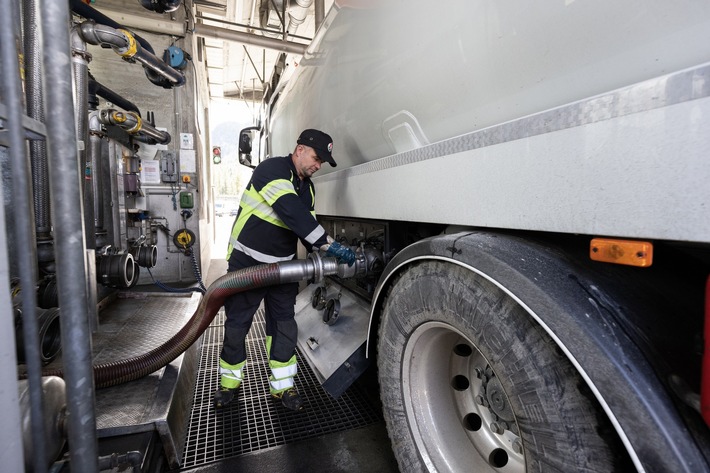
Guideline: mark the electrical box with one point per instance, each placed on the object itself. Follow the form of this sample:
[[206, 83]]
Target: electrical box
[[168, 167], [186, 200]]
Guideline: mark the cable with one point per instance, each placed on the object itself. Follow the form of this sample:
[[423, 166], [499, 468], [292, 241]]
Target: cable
[[196, 270], [201, 289]]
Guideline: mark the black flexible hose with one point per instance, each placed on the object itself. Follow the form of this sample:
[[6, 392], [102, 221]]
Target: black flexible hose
[[97, 88]]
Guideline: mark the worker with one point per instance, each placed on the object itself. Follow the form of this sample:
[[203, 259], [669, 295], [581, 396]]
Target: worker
[[276, 210]]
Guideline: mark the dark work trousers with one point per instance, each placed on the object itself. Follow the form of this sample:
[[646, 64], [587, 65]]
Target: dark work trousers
[[240, 308]]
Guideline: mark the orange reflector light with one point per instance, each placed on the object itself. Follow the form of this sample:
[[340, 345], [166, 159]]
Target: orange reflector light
[[629, 252]]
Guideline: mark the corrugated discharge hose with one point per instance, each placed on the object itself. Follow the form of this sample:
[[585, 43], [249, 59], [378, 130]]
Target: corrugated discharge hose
[[122, 371]]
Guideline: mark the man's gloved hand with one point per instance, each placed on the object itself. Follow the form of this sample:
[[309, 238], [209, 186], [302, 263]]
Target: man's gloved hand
[[342, 253]]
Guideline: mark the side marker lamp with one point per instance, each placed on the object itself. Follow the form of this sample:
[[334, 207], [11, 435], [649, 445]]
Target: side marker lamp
[[628, 252]]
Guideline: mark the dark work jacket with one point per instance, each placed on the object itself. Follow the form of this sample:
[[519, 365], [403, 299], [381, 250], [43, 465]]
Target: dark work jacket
[[276, 210]]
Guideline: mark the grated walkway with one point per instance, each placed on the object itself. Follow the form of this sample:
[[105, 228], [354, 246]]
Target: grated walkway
[[256, 421]]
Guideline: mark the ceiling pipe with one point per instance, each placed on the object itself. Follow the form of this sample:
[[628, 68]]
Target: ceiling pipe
[[207, 31], [297, 14]]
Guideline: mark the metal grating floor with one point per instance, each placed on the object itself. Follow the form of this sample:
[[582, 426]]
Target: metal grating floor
[[256, 421]]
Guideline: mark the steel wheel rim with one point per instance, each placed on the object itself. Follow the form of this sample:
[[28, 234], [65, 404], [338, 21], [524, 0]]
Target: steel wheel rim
[[440, 385]]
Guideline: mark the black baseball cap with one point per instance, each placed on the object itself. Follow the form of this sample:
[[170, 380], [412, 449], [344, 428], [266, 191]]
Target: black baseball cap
[[321, 142]]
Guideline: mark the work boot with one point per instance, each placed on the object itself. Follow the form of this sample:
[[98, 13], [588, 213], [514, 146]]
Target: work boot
[[223, 397], [290, 399]]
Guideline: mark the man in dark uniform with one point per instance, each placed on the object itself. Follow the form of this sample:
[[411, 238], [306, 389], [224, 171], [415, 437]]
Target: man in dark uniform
[[276, 210]]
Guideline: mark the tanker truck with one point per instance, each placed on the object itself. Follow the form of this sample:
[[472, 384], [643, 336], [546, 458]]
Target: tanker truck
[[527, 186]]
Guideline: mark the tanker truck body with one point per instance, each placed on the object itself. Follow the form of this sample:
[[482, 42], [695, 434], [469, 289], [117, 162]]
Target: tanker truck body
[[496, 162]]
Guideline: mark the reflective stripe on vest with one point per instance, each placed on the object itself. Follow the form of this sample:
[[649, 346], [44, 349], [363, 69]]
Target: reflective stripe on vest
[[259, 205], [259, 256]]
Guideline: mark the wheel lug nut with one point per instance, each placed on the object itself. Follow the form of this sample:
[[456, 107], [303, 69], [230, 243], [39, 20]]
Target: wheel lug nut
[[495, 428], [479, 400]]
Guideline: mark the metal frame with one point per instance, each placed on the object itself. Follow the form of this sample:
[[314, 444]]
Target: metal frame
[[70, 250]]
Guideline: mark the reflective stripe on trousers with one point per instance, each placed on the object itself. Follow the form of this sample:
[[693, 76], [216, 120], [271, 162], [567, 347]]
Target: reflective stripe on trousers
[[231, 376], [282, 373]]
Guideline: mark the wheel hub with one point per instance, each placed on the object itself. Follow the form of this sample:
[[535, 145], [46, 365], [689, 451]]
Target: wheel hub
[[453, 384], [497, 404]]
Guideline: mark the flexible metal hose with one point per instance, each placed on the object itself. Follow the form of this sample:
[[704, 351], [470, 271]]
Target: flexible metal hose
[[122, 371]]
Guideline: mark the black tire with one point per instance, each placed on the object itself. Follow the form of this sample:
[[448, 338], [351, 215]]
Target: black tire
[[456, 354]]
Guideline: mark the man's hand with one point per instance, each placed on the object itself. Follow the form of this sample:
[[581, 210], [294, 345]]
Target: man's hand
[[342, 253]]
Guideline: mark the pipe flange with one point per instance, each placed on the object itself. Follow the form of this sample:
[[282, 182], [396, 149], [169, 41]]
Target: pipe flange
[[318, 298], [83, 54], [331, 312], [131, 47], [137, 127], [317, 266]]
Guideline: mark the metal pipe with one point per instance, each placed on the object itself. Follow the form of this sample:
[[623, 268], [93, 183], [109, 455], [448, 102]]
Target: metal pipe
[[297, 14], [69, 239], [134, 125], [24, 219], [123, 42], [113, 461], [208, 31], [84, 10], [90, 13], [54, 389], [80, 59], [95, 137], [35, 110]]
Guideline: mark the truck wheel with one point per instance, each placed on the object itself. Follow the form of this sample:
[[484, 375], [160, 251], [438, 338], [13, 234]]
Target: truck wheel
[[469, 383]]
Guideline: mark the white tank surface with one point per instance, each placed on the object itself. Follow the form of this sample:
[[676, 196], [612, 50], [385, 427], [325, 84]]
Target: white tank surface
[[427, 71], [566, 116]]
